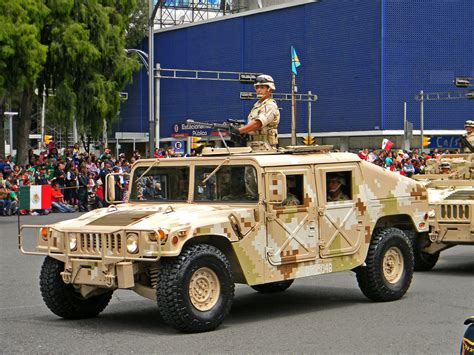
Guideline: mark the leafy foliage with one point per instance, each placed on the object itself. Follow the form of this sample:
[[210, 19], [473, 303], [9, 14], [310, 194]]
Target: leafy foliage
[[73, 47], [22, 55], [87, 60], [137, 27]]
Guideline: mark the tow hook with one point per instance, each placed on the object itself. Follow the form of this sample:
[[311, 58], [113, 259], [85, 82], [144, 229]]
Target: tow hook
[[66, 275], [109, 280]]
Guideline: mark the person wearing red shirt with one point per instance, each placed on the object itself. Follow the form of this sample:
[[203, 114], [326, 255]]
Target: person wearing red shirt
[[57, 199]]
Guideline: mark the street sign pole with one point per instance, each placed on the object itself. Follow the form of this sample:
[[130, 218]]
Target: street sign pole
[[422, 118], [309, 117]]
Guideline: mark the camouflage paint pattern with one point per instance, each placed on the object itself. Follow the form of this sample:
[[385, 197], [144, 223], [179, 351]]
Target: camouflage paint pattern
[[271, 241]]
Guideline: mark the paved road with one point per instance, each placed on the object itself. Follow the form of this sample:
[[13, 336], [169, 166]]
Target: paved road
[[324, 315]]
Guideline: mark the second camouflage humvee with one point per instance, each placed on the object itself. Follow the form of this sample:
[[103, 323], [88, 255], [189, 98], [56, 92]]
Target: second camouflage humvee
[[451, 200], [193, 227]]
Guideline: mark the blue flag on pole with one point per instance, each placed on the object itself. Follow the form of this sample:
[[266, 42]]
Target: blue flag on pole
[[295, 62]]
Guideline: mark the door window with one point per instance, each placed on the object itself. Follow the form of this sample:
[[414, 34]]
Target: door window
[[338, 186]]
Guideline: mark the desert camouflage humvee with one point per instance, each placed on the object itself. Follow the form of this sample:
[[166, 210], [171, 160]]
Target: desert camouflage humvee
[[193, 227], [451, 200]]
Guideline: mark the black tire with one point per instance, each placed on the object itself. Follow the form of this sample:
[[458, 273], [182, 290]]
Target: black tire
[[425, 261], [173, 289], [62, 299], [373, 280], [273, 287]]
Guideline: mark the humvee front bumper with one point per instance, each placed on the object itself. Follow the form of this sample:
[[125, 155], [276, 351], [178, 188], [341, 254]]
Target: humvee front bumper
[[97, 259]]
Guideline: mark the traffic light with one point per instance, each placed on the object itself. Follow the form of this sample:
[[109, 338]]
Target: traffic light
[[47, 139], [426, 141], [195, 142], [308, 140]]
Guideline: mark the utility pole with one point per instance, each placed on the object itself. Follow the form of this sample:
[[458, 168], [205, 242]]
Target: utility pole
[[151, 65], [157, 105]]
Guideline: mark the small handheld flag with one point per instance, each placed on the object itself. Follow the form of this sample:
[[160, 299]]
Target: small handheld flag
[[387, 144], [295, 62]]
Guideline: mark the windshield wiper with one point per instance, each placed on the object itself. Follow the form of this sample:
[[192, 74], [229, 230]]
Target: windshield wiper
[[214, 171], [156, 162]]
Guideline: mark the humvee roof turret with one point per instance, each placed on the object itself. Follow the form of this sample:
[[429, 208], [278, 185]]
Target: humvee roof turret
[[193, 227]]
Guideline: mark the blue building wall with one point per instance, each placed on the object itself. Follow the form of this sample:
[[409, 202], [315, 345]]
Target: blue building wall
[[426, 44], [362, 58]]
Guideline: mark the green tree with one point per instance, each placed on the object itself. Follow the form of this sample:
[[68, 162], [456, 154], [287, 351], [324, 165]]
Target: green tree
[[22, 58], [87, 66], [137, 26], [75, 48]]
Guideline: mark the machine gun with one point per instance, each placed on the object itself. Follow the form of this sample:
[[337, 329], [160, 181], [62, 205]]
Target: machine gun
[[230, 126]]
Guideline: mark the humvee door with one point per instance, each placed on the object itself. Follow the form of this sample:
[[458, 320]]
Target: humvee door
[[291, 215], [341, 217]]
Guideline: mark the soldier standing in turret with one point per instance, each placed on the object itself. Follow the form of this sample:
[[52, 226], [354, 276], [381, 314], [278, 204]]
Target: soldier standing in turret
[[262, 127], [264, 117], [467, 140]]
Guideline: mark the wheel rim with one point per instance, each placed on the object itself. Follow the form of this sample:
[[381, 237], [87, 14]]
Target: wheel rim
[[393, 265], [204, 289]]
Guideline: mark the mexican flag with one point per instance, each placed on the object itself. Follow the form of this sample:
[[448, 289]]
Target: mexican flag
[[387, 144], [36, 197]]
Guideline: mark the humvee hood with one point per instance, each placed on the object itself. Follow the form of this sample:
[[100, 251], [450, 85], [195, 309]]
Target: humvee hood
[[146, 217]]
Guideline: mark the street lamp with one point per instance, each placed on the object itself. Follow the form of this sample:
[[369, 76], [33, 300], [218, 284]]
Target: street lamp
[[142, 55], [153, 102], [152, 9], [148, 62]]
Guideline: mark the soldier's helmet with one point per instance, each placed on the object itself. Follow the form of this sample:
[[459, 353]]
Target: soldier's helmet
[[469, 123], [445, 165], [339, 178], [265, 80]]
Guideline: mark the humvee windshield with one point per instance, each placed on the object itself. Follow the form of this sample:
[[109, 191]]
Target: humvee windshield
[[171, 184], [229, 184], [160, 184]]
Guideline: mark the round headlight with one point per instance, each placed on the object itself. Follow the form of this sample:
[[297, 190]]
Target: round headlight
[[132, 243], [72, 242]]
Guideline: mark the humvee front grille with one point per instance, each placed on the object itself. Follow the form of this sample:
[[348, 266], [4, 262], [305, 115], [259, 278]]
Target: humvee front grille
[[455, 212], [91, 243]]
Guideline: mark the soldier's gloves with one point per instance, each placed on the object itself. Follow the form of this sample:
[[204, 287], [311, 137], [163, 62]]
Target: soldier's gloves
[[234, 130]]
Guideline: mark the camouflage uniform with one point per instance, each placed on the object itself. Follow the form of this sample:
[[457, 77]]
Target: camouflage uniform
[[268, 114], [469, 136], [340, 197]]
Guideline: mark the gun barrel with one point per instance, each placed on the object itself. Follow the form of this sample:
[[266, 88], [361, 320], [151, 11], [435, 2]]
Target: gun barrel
[[239, 122], [212, 125]]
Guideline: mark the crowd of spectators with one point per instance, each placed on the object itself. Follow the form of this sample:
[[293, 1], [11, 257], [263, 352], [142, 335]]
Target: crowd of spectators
[[406, 163], [76, 178]]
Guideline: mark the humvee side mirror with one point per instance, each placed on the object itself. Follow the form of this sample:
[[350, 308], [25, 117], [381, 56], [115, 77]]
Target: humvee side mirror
[[110, 182], [276, 187]]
